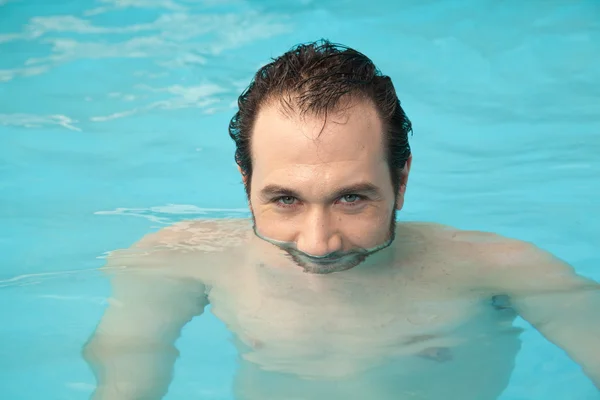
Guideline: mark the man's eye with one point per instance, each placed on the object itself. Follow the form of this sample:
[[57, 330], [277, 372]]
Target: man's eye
[[350, 198], [286, 200]]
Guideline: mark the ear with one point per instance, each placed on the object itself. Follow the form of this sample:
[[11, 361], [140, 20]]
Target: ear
[[403, 181]]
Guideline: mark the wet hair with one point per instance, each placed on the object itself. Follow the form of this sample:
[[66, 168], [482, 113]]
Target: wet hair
[[317, 78]]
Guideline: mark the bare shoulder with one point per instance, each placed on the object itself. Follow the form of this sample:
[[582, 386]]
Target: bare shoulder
[[488, 248], [200, 249], [209, 235], [489, 260]]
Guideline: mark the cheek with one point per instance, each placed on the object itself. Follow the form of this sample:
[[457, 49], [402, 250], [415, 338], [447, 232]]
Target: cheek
[[366, 230], [275, 225]]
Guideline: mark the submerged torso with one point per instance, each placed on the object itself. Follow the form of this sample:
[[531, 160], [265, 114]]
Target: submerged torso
[[414, 332]]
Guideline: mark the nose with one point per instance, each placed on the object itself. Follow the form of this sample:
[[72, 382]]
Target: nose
[[318, 236]]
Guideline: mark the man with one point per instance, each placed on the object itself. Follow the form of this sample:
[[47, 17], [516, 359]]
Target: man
[[327, 296]]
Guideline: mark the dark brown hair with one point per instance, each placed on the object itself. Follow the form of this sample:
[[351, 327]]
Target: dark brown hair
[[314, 78]]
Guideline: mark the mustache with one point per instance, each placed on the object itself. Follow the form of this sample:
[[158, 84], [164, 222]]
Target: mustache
[[327, 258], [292, 249]]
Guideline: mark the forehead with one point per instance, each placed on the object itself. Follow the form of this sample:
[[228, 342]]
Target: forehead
[[287, 145]]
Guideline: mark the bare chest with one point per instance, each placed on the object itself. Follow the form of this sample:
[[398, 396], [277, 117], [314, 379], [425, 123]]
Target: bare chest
[[348, 321]]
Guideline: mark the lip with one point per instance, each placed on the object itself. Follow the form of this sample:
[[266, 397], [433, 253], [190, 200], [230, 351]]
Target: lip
[[324, 261]]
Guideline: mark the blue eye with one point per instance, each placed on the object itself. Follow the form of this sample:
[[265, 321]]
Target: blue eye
[[350, 198], [287, 200]]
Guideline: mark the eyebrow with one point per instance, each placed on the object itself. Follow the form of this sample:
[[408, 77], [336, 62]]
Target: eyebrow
[[362, 188]]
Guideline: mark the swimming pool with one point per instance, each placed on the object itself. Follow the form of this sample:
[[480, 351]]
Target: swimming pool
[[113, 118]]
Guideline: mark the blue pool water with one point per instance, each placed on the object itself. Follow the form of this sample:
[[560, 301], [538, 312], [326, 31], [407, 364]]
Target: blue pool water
[[113, 123]]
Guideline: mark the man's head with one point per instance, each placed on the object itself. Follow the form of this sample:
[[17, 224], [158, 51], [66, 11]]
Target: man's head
[[322, 144]]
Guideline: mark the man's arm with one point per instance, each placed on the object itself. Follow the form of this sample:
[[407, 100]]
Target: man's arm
[[132, 351], [563, 306]]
